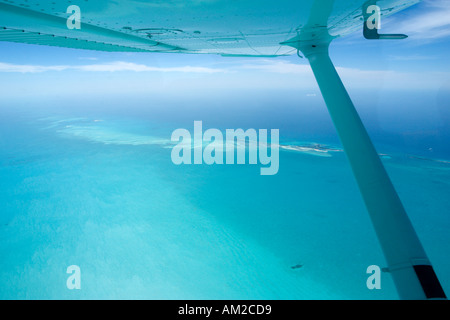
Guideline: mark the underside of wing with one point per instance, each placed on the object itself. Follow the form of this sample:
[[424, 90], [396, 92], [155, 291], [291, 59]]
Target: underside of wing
[[227, 27]]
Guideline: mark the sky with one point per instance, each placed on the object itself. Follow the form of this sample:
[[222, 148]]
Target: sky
[[419, 62]]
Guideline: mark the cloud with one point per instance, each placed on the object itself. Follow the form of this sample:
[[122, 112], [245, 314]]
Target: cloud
[[354, 77], [414, 57], [23, 68], [117, 66], [429, 22], [278, 66], [129, 66], [278, 73]]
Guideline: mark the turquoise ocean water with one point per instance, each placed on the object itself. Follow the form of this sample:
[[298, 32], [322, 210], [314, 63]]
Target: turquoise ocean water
[[95, 186]]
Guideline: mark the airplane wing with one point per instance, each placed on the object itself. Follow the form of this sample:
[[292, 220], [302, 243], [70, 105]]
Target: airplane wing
[[226, 27]]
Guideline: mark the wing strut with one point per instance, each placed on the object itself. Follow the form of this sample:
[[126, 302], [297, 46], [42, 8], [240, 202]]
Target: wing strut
[[407, 261]]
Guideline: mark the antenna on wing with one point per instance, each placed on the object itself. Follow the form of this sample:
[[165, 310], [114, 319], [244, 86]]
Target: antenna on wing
[[372, 23]]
